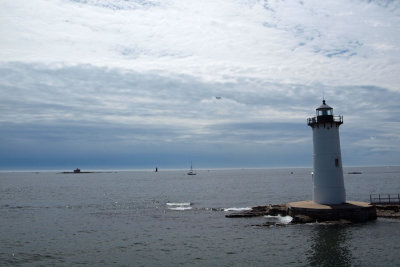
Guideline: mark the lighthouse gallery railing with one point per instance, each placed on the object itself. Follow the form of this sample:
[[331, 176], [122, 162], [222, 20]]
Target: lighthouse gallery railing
[[314, 120]]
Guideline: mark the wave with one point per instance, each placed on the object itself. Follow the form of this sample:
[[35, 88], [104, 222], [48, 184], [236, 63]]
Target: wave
[[279, 219], [237, 209], [180, 208], [178, 203]]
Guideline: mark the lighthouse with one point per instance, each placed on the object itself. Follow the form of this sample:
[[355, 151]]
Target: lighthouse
[[328, 172], [329, 196]]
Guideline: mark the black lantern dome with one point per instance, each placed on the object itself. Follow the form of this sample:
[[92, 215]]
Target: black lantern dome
[[324, 114]]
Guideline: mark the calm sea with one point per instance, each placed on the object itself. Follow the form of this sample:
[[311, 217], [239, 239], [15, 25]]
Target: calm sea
[[143, 218]]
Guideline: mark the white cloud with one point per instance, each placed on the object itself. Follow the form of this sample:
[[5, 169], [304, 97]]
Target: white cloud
[[335, 42], [144, 72]]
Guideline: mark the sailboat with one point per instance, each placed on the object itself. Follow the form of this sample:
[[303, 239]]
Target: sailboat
[[191, 172]]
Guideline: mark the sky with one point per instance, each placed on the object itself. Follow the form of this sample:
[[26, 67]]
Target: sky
[[127, 84]]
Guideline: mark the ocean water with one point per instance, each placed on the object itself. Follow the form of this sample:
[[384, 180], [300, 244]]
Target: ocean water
[[143, 218]]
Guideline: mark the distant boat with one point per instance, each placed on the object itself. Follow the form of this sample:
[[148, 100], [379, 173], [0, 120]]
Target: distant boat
[[77, 170], [156, 169], [191, 172]]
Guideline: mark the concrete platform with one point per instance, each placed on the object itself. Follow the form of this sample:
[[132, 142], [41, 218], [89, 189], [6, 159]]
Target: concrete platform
[[353, 211]]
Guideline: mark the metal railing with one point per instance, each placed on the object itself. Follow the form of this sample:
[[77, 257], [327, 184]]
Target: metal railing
[[384, 198], [323, 119], [335, 119]]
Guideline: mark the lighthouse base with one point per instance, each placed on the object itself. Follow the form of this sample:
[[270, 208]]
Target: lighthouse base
[[352, 211]]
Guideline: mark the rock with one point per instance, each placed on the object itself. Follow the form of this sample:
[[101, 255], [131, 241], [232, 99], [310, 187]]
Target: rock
[[391, 211], [272, 209], [275, 210], [243, 214], [302, 219], [394, 208], [388, 211]]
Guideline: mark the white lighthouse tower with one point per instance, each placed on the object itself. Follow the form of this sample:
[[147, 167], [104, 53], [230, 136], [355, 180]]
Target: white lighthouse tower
[[329, 197], [328, 171]]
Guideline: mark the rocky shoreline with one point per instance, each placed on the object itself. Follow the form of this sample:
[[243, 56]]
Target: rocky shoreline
[[383, 211], [272, 209], [388, 211]]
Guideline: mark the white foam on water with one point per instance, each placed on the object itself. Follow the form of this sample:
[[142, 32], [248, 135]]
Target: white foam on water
[[279, 219], [237, 209], [179, 204], [180, 208]]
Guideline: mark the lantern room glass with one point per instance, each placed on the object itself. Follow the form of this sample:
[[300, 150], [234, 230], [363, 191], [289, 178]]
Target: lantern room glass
[[324, 112]]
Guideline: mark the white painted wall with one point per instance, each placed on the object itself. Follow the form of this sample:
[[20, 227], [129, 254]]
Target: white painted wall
[[328, 176]]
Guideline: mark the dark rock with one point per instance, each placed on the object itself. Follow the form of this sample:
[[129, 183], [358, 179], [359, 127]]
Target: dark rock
[[302, 219], [273, 210], [242, 215], [388, 211], [394, 208]]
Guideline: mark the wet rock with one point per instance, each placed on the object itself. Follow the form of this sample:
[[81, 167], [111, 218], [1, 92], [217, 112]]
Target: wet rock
[[388, 211], [275, 210], [243, 214], [302, 219], [272, 209]]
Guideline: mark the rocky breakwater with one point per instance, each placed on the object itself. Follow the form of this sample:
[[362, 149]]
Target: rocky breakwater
[[348, 212], [277, 211], [271, 209], [341, 214], [388, 211]]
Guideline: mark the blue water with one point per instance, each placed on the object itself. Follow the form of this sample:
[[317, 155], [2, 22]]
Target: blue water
[[143, 218]]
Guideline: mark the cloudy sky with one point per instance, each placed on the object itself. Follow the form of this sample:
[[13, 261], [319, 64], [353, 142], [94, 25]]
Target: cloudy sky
[[124, 84]]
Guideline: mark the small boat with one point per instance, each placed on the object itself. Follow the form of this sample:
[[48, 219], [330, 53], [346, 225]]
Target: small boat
[[77, 170], [191, 172]]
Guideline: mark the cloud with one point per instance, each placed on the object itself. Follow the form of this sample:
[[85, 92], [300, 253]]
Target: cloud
[[335, 42], [228, 80], [109, 112]]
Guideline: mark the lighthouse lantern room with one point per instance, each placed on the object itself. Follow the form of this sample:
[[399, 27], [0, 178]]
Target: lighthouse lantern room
[[328, 172]]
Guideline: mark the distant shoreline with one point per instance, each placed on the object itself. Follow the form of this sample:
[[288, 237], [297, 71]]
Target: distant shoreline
[[88, 172], [346, 169]]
